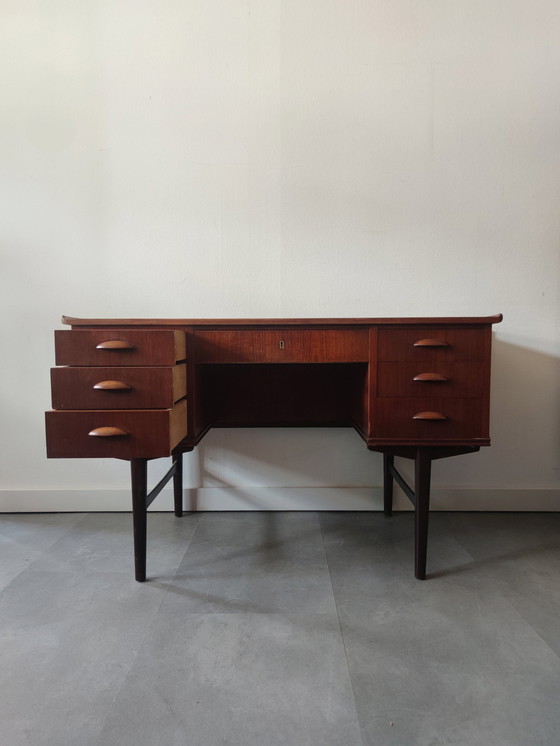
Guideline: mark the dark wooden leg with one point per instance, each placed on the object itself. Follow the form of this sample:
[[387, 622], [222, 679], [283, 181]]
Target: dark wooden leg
[[423, 469], [139, 478], [178, 484], [388, 461]]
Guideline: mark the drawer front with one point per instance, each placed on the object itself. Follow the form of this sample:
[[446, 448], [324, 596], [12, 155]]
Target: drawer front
[[444, 379], [413, 419], [433, 345], [118, 388], [288, 346], [144, 433], [119, 347]]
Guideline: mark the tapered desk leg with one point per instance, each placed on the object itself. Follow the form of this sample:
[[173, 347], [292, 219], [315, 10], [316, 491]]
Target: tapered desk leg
[[388, 461], [423, 468], [139, 479], [178, 483]]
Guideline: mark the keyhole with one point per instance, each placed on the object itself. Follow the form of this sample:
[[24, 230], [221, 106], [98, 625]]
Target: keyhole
[[282, 344]]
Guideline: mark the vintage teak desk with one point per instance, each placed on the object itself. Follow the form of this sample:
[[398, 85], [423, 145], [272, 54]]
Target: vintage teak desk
[[140, 389]]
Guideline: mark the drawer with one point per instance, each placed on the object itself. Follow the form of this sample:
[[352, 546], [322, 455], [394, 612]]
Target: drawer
[[118, 347], [445, 379], [396, 419], [427, 345], [144, 433], [283, 346], [118, 388]]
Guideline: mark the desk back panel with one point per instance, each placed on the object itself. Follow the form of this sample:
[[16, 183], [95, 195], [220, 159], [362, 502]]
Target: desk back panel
[[281, 395]]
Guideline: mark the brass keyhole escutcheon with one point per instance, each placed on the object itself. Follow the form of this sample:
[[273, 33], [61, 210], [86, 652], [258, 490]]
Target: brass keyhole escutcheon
[[282, 345]]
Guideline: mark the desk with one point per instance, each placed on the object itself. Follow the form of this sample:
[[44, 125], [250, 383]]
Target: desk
[[139, 389]]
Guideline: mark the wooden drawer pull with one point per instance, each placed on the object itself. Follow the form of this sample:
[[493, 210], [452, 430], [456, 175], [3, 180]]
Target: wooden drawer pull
[[112, 386], [107, 432], [429, 377], [429, 416], [431, 343], [115, 344]]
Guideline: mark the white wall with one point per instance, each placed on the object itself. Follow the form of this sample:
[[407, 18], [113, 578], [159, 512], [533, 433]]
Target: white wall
[[219, 158]]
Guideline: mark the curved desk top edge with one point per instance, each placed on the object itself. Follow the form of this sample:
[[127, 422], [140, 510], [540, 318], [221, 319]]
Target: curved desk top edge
[[455, 320]]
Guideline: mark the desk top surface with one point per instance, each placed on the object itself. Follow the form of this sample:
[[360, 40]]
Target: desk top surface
[[339, 322]]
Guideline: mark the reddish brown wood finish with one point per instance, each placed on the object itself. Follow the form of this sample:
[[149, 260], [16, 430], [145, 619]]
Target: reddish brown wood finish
[[434, 342], [148, 387], [319, 322], [115, 344], [395, 421], [80, 347], [282, 346], [151, 433], [108, 432], [280, 395], [461, 345], [417, 388], [112, 385], [371, 394], [352, 372], [460, 379]]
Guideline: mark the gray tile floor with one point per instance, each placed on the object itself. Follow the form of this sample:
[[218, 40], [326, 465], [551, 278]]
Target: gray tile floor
[[280, 628]]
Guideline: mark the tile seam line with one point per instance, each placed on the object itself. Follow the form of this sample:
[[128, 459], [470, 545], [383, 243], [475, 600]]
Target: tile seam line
[[511, 602], [341, 632], [143, 640], [129, 669], [508, 594]]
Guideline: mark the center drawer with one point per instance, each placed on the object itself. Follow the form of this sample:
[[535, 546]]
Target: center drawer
[[283, 346], [143, 387]]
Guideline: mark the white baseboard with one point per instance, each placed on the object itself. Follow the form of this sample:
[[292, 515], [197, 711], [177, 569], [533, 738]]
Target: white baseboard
[[278, 498]]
